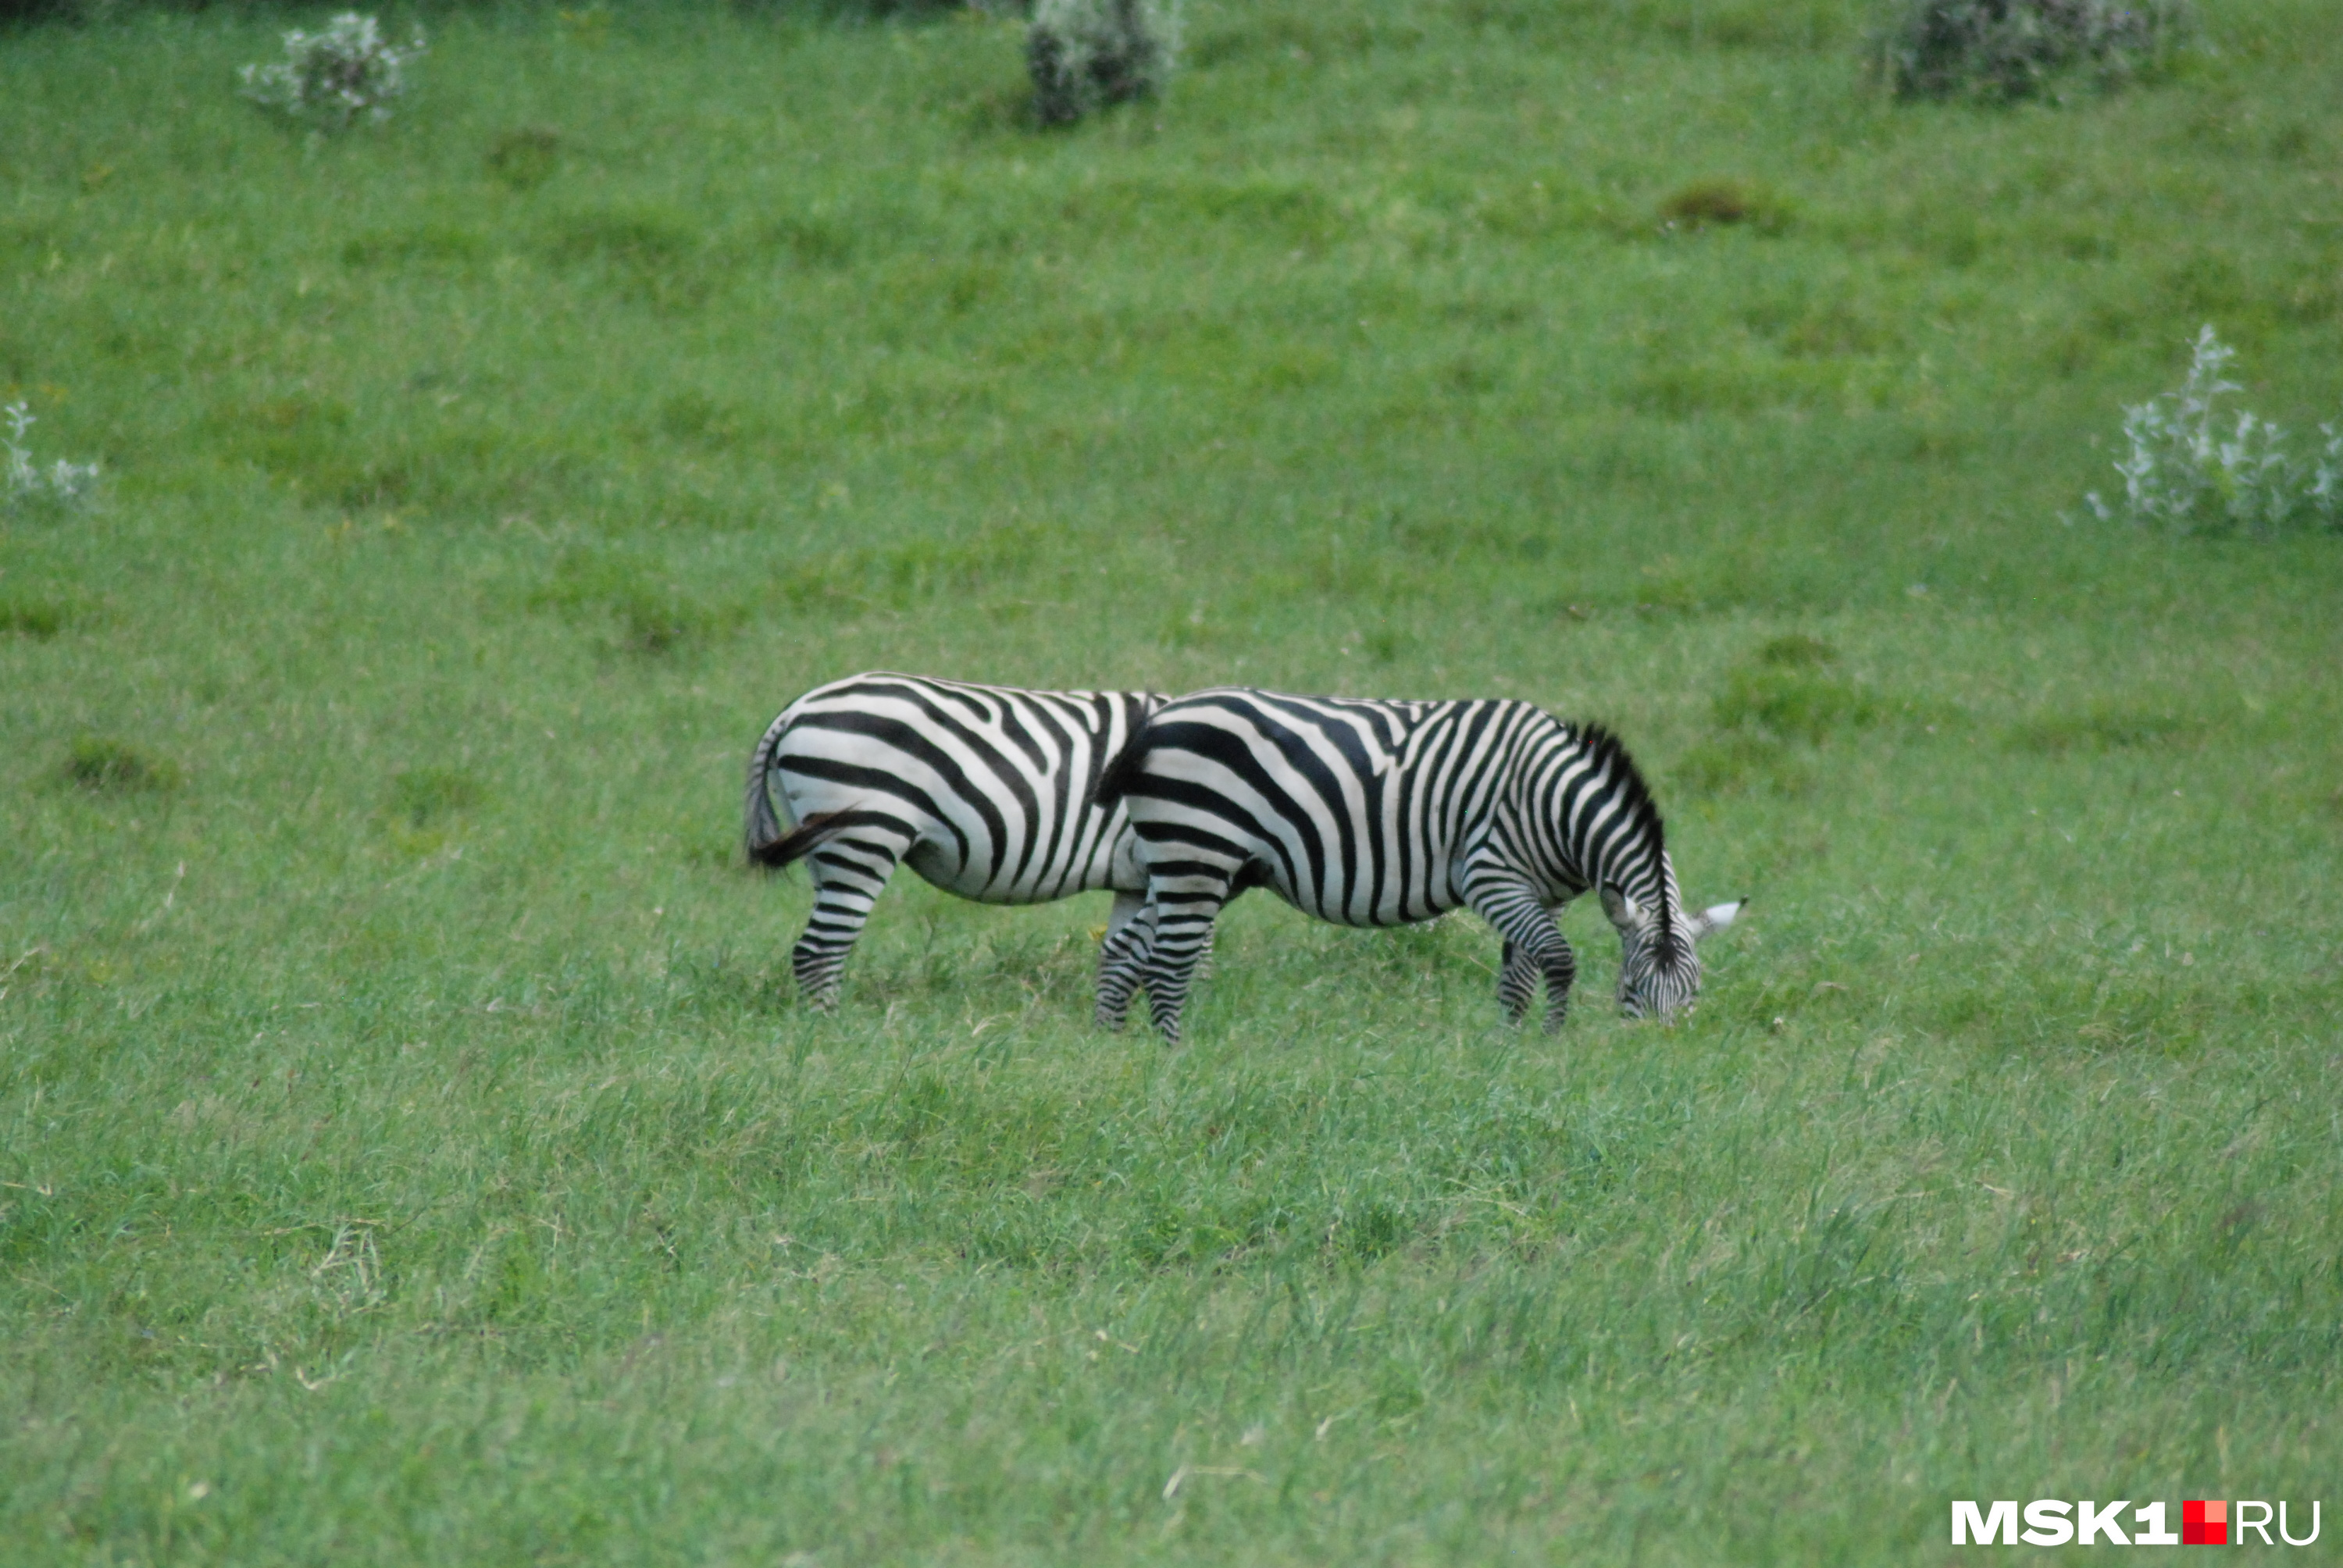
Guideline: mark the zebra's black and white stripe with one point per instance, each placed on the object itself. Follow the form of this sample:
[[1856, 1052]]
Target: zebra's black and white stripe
[[1384, 813], [986, 791]]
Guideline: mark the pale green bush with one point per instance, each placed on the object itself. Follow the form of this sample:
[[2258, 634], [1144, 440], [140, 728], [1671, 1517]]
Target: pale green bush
[[1084, 55], [2191, 466], [337, 76], [2007, 49], [24, 484]]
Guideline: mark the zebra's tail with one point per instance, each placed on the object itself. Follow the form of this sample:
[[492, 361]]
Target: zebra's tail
[[778, 851], [1122, 771], [769, 841]]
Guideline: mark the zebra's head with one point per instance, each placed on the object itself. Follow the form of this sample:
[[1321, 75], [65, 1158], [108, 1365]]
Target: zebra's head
[[1659, 968]]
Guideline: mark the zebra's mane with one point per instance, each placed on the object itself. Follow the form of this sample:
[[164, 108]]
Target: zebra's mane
[[1610, 758]]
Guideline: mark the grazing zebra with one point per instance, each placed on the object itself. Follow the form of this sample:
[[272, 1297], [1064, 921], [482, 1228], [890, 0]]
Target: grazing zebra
[[985, 790], [1383, 813]]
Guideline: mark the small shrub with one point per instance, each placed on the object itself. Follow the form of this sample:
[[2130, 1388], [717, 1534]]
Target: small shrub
[[25, 486], [2009, 49], [1084, 55], [333, 77], [116, 767], [2191, 467]]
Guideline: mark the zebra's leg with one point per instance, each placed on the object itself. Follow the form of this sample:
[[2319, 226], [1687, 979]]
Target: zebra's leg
[[1534, 947], [1560, 967], [1129, 933], [1517, 979], [849, 875], [1184, 910]]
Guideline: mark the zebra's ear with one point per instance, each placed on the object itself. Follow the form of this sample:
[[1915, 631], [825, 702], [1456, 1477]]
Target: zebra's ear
[[1714, 918], [1624, 912]]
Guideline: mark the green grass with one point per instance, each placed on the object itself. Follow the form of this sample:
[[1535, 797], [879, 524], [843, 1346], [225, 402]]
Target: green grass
[[412, 1152]]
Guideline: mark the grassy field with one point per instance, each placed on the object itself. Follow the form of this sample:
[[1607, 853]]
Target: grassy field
[[411, 1151]]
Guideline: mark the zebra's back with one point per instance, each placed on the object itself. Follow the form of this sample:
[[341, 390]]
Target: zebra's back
[[1354, 812]]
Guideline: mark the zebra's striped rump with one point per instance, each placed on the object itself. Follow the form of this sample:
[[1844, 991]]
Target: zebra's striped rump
[[986, 791], [1383, 813]]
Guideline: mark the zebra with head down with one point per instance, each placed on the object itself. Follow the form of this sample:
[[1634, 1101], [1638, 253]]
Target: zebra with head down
[[1384, 813]]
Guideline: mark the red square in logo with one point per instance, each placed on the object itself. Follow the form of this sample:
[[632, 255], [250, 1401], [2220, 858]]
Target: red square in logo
[[2204, 1524]]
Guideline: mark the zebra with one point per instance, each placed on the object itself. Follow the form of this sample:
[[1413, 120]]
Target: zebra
[[986, 791], [1386, 813]]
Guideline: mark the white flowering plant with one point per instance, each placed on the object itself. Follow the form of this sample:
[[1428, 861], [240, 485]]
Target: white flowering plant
[[24, 484], [345, 72], [2191, 466]]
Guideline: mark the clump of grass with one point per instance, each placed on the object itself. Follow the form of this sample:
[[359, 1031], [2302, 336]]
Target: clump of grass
[[443, 246], [1710, 203], [24, 484], [1785, 691], [648, 252], [524, 159], [2192, 468], [1797, 705], [1796, 650], [1085, 55], [117, 767], [642, 609], [334, 77], [1740, 760], [2008, 49], [691, 415], [1781, 700], [30, 618], [2105, 728], [41, 614], [641, 237], [421, 796]]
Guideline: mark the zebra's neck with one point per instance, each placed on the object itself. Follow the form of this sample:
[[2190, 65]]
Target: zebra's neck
[[1607, 829], [1640, 871]]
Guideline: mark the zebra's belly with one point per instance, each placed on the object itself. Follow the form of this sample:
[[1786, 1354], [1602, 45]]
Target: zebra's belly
[[1364, 905], [991, 879]]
